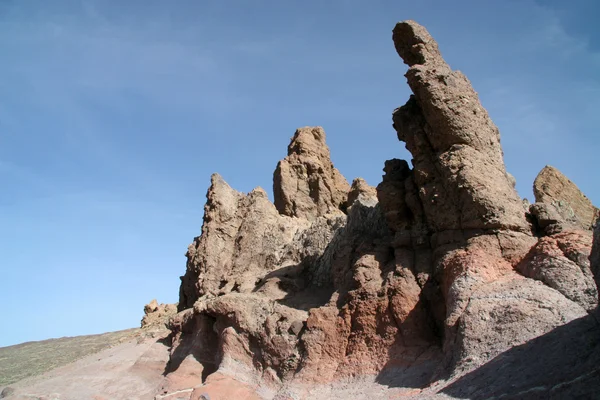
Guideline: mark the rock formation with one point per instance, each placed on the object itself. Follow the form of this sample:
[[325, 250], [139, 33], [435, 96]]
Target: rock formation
[[560, 204], [464, 212], [157, 315], [439, 281], [436, 271], [306, 184], [595, 256]]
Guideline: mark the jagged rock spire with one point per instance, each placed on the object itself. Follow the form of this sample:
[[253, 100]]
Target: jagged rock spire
[[306, 184], [457, 157]]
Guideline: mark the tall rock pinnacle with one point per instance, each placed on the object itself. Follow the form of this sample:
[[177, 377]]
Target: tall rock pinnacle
[[457, 158], [306, 184]]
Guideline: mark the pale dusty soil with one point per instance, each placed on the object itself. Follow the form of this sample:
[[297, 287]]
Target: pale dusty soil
[[34, 358], [131, 370]]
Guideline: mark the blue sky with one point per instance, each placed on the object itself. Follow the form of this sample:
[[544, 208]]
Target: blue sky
[[114, 114]]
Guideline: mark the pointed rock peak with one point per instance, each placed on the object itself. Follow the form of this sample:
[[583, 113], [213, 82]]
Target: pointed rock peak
[[309, 140], [218, 187], [217, 180], [414, 44], [361, 189], [305, 183], [552, 187]]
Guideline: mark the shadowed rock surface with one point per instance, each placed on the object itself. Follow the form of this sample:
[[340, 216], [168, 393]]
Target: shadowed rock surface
[[595, 256], [562, 364]]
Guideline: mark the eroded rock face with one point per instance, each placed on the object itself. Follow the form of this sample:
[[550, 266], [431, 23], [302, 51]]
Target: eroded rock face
[[433, 273], [457, 158], [595, 256], [360, 188], [562, 261], [306, 184], [242, 239], [457, 209]]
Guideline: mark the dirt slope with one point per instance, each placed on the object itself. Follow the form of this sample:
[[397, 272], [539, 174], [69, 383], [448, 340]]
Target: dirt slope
[[34, 358]]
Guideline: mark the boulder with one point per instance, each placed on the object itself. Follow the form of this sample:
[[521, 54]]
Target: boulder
[[553, 188]]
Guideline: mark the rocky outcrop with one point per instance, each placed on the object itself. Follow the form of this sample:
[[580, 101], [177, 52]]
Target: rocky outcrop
[[360, 189], [457, 158], [564, 199], [436, 271], [460, 211], [157, 315], [562, 261], [306, 184], [311, 297], [595, 255], [243, 238]]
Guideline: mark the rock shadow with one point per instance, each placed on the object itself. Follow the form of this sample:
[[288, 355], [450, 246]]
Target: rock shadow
[[200, 341], [563, 363], [416, 355], [295, 281]]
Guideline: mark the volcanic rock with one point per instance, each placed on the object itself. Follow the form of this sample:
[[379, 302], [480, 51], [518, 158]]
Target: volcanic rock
[[595, 255], [457, 158], [552, 188], [157, 315], [360, 188], [435, 272], [306, 184], [461, 208], [242, 239], [562, 261]]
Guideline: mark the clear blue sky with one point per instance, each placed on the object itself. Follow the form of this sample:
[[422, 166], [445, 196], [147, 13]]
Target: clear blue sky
[[113, 115]]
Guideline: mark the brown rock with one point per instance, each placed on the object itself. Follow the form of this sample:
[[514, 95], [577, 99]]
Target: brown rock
[[457, 158], [508, 313], [562, 262], [549, 218], [553, 188], [595, 256], [157, 315], [151, 307], [458, 209], [359, 188], [333, 282], [306, 184], [242, 240]]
